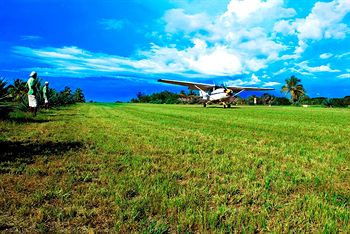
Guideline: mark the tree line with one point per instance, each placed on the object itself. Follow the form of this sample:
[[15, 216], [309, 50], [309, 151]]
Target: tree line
[[14, 95], [292, 87]]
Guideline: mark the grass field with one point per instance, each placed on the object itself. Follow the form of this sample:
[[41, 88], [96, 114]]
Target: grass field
[[176, 168]]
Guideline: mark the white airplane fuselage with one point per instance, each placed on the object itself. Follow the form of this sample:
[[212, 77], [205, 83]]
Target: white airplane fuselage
[[220, 94]]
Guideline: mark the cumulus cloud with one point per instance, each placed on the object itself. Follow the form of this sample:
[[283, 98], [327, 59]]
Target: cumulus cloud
[[254, 11], [343, 55], [239, 82], [74, 61], [303, 66], [344, 76], [281, 71], [236, 41], [254, 80], [177, 20], [323, 22], [271, 84], [285, 27], [326, 55]]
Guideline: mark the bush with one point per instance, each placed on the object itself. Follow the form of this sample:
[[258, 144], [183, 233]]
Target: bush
[[334, 102], [157, 98], [281, 101], [347, 100], [313, 101]]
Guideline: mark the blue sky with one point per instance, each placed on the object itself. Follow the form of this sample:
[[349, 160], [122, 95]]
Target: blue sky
[[113, 49]]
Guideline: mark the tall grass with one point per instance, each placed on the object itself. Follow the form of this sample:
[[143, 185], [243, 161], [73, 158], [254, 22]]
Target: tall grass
[[176, 168]]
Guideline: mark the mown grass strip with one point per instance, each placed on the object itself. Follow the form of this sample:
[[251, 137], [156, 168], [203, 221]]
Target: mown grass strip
[[161, 168]]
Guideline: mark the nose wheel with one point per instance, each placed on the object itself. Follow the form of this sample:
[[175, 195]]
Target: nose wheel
[[228, 105]]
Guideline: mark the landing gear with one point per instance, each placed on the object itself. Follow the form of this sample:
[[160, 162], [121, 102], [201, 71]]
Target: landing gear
[[226, 105], [204, 104]]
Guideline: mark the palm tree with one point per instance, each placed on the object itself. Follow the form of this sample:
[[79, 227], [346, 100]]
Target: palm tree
[[18, 90], [3, 89], [79, 95], [294, 87]]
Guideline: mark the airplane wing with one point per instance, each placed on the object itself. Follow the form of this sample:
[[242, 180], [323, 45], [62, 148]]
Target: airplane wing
[[240, 88], [207, 87], [190, 85]]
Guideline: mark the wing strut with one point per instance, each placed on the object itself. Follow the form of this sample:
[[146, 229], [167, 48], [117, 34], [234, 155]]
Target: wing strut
[[238, 92], [202, 93], [198, 88]]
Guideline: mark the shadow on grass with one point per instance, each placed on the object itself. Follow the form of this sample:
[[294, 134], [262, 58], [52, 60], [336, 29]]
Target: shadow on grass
[[10, 114], [20, 120], [24, 151], [5, 111]]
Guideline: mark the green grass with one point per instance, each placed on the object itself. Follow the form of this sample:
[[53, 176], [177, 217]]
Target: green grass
[[176, 168]]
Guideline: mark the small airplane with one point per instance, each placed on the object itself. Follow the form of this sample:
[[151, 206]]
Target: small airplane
[[211, 93]]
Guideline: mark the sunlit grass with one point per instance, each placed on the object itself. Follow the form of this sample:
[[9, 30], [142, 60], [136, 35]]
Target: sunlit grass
[[176, 168]]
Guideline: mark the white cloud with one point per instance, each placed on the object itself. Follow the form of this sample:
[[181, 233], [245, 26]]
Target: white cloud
[[290, 56], [344, 55], [218, 62], [249, 11], [255, 79], [239, 82], [285, 27], [281, 71], [271, 84], [241, 34], [177, 21], [344, 76], [326, 55], [198, 60], [113, 24], [73, 61], [324, 21], [301, 47], [323, 68]]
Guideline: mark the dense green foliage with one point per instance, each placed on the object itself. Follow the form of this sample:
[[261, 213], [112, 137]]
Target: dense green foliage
[[157, 98], [176, 168], [167, 97]]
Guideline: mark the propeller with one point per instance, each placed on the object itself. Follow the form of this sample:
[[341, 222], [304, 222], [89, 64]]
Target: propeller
[[227, 90]]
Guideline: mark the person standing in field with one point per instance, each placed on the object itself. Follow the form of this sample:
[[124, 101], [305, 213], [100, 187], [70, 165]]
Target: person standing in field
[[45, 94], [33, 104]]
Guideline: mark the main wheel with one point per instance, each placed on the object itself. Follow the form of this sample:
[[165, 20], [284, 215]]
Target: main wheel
[[204, 104], [228, 105]]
